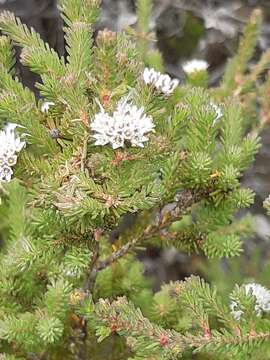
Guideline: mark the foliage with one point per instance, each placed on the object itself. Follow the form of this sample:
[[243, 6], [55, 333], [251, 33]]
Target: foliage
[[184, 188]]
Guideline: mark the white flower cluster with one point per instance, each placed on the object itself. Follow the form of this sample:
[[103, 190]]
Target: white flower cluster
[[194, 66], [127, 123], [262, 296], [161, 82], [10, 145]]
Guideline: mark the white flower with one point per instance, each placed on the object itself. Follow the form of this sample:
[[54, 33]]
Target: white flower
[[194, 66], [150, 76], [10, 145], [262, 296], [127, 123], [5, 173], [217, 110], [46, 106], [162, 82], [74, 273], [236, 313]]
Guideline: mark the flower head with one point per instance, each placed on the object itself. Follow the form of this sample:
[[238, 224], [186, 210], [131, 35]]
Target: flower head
[[127, 123], [10, 146], [162, 82], [262, 296], [194, 66]]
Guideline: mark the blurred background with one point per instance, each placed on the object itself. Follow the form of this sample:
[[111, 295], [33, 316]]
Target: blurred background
[[184, 29]]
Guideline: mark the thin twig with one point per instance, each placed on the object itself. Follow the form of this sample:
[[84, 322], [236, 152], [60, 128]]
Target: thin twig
[[165, 218], [91, 278], [117, 254]]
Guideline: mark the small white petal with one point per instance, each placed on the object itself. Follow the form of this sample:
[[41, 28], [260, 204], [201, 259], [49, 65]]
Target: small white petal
[[215, 108], [5, 173], [100, 140], [174, 84], [46, 106], [11, 160], [146, 76], [218, 111]]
